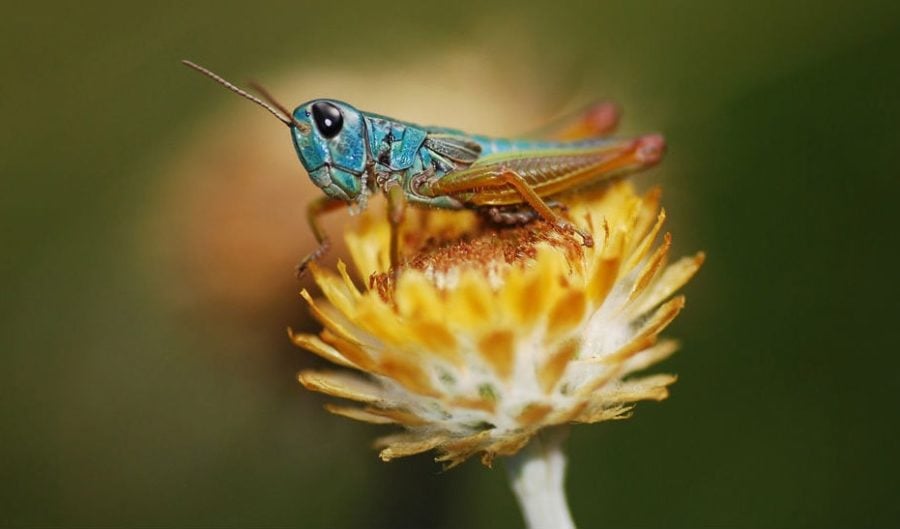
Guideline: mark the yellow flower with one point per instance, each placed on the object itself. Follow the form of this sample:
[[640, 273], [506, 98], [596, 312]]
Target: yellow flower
[[489, 335]]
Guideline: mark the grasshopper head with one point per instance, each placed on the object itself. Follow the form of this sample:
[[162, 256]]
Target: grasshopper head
[[330, 140]]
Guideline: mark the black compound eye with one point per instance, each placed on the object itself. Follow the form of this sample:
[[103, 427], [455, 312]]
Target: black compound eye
[[328, 119]]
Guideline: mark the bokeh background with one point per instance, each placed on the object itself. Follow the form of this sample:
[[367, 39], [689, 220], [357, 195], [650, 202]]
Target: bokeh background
[[149, 222]]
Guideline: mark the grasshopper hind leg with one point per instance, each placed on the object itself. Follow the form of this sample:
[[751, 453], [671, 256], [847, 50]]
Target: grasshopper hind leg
[[541, 207], [531, 201]]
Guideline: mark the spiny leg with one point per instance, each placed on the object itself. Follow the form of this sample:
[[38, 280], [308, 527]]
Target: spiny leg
[[314, 210], [507, 177], [534, 200]]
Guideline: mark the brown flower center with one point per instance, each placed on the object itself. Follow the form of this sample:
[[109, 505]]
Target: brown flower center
[[488, 248]]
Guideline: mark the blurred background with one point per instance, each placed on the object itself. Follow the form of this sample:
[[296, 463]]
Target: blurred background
[[150, 221]]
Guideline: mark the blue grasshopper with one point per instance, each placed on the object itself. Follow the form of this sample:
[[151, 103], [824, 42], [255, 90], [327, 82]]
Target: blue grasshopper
[[349, 153]]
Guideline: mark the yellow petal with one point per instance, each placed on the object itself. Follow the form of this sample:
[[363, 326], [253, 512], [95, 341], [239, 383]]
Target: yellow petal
[[603, 276], [653, 387], [369, 243], [329, 319], [335, 289], [567, 415], [341, 384], [508, 445], [642, 247], [379, 319], [602, 413], [566, 314], [458, 450], [359, 414], [435, 338], [313, 344], [416, 296], [650, 356], [648, 205], [646, 335], [406, 445], [673, 278], [498, 349], [354, 352], [533, 414], [648, 272], [351, 287], [527, 290], [406, 418], [470, 304], [377, 415], [662, 317], [474, 403], [555, 365], [408, 373]]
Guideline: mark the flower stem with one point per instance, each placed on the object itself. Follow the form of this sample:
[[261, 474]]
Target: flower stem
[[537, 473]]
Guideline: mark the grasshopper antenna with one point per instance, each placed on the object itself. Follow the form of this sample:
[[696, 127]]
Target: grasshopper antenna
[[270, 104], [270, 99]]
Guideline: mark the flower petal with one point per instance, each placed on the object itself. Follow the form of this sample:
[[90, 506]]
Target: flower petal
[[403, 445], [649, 271], [674, 277], [359, 414], [551, 371], [498, 349], [641, 250], [314, 344], [341, 384], [566, 314]]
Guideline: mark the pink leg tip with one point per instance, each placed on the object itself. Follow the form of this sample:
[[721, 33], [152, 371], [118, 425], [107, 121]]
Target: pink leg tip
[[650, 148]]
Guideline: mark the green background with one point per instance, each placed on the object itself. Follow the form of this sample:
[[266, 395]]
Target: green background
[[783, 121]]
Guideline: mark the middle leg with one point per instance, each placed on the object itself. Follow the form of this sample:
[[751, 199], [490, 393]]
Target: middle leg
[[516, 214]]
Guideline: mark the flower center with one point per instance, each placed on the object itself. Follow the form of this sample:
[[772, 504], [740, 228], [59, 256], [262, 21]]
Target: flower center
[[489, 249]]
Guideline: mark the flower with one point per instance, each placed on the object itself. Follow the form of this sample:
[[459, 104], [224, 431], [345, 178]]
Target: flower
[[487, 336]]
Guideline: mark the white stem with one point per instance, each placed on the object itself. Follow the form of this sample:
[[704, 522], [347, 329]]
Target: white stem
[[537, 473]]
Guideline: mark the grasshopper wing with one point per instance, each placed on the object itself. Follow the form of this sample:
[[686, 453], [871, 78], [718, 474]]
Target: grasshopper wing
[[457, 148]]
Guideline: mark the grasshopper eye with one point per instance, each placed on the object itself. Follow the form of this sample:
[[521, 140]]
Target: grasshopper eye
[[328, 119]]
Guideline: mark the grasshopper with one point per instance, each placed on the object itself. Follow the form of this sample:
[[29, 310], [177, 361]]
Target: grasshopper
[[349, 154]]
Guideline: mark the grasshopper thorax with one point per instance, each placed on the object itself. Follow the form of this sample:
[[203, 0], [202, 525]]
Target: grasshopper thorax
[[331, 144]]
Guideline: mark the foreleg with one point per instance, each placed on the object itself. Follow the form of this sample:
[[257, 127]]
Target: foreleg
[[314, 210]]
